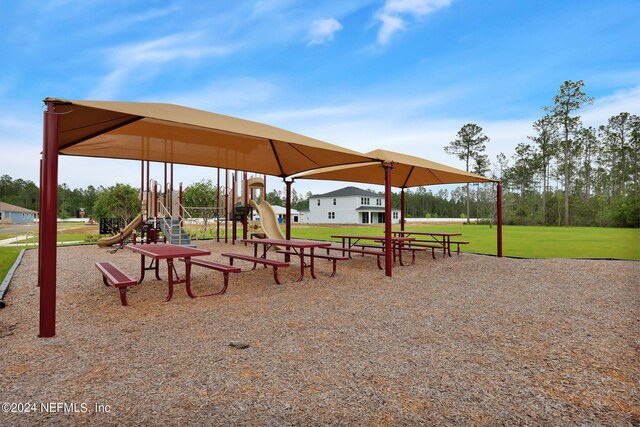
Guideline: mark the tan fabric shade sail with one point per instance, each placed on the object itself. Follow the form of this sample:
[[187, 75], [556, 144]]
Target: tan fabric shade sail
[[408, 171], [176, 134]]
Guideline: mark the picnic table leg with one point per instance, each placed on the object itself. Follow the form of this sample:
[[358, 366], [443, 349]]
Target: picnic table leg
[[142, 268], [333, 273], [255, 255], [187, 279], [302, 265], [170, 268], [123, 296], [312, 264], [449, 245], [275, 275], [399, 254]]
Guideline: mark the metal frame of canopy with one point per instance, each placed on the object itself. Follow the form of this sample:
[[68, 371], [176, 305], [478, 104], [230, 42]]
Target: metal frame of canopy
[[163, 133], [408, 171]]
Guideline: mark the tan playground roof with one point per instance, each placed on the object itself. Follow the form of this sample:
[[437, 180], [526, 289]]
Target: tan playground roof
[[408, 171], [176, 134]]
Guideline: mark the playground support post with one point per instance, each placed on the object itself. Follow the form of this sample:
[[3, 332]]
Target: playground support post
[[218, 208], [141, 181], [264, 187], [226, 203], [287, 214], [180, 213], [48, 224], [402, 209], [245, 221], [388, 249], [165, 187], [155, 204], [171, 187], [233, 208], [499, 219]]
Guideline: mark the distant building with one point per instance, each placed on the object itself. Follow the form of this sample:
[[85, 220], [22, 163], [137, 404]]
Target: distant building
[[349, 205], [11, 214], [281, 214]]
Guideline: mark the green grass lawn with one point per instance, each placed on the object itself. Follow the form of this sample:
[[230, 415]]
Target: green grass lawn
[[8, 256], [518, 241]]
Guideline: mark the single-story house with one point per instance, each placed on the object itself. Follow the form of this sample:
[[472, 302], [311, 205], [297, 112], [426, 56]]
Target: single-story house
[[281, 214], [349, 205], [11, 214]]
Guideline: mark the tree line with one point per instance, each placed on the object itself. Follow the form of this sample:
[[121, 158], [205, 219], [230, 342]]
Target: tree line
[[564, 174]]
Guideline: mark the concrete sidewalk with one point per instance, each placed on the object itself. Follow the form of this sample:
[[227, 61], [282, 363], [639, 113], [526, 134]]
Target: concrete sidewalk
[[22, 242]]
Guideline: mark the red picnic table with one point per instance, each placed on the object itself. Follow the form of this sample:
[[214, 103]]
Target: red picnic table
[[350, 240], [445, 241], [298, 246], [158, 251]]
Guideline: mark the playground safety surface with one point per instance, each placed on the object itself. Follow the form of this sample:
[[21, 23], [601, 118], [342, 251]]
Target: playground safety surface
[[464, 340]]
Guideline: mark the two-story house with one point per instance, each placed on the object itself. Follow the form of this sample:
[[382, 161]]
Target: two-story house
[[349, 205]]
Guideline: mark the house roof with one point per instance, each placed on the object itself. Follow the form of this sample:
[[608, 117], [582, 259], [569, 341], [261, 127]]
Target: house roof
[[7, 207], [349, 191]]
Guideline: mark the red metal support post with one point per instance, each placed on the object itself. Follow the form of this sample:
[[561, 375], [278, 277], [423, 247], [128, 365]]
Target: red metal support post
[[180, 213], [165, 188], [171, 193], [402, 209], [264, 187], [245, 221], [48, 224], [226, 202], [233, 208], [287, 214], [499, 219], [218, 208], [141, 181], [388, 248]]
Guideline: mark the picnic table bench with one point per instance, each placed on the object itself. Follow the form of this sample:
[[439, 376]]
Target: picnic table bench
[[458, 243], [225, 269], [351, 250], [413, 250], [113, 276], [257, 260], [328, 256]]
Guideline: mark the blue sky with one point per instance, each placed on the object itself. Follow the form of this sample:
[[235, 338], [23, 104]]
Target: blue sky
[[401, 75]]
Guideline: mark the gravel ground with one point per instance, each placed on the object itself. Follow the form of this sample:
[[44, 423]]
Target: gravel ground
[[467, 340]]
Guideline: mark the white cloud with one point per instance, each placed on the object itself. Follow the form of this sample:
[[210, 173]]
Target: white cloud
[[627, 100], [323, 30], [394, 14], [146, 56]]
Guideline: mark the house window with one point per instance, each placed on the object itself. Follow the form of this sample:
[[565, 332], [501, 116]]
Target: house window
[[318, 202], [334, 202], [332, 215], [379, 202], [395, 215], [364, 200]]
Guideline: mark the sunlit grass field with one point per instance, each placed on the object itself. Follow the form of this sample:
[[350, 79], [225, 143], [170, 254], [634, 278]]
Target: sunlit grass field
[[518, 241]]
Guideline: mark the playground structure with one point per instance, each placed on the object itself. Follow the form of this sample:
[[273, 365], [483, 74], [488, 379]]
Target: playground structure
[[164, 217]]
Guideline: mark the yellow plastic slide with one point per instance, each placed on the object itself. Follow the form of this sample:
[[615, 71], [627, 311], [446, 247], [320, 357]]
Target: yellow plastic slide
[[113, 240], [268, 220]]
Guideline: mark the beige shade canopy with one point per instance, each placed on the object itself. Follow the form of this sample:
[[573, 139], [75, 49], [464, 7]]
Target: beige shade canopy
[[408, 171], [175, 134]]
